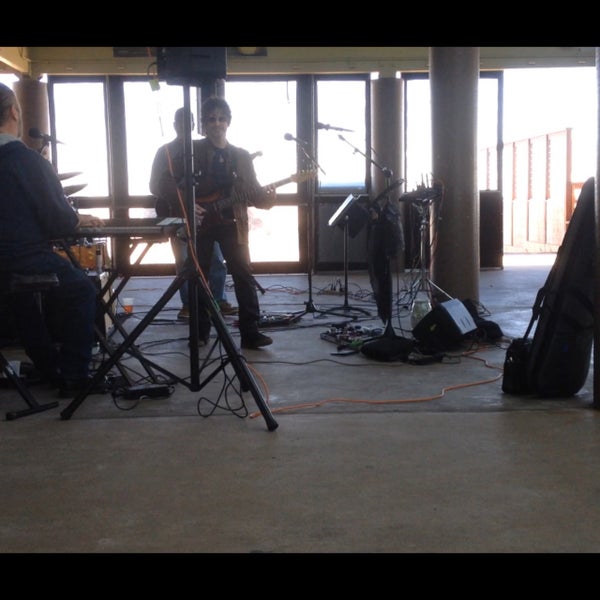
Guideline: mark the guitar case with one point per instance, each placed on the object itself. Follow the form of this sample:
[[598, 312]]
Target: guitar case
[[561, 348]]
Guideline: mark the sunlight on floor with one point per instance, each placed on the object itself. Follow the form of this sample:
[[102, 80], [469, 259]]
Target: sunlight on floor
[[528, 259]]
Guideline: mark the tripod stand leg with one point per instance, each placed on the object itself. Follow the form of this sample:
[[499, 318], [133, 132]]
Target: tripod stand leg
[[32, 403], [247, 380]]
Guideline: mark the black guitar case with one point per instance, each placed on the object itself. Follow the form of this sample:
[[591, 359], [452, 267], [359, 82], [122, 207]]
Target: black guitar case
[[561, 347]]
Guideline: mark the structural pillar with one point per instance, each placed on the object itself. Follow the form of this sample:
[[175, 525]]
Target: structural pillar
[[454, 81], [387, 135], [596, 361], [33, 98]]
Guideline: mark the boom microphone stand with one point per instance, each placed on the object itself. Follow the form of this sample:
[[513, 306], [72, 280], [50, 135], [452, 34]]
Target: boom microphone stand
[[379, 267], [300, 144]]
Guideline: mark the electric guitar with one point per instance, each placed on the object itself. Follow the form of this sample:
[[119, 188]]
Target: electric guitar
[[221, 201]]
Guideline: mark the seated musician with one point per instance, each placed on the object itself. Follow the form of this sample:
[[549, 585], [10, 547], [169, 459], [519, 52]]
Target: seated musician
[[35, 211]]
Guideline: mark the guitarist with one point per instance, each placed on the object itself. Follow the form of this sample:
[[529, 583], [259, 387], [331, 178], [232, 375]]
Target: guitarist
[[225, 185], [165, 176]]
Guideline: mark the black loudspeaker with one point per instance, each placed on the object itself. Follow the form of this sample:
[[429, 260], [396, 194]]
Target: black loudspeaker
[[444, 327], [491, 240], [191, 66]]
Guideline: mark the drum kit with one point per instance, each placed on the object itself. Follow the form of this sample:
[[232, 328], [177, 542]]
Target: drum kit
[[71, 189]]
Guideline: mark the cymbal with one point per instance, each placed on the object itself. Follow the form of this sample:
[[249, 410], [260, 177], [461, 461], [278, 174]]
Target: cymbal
[[62, 176], [73, 189]]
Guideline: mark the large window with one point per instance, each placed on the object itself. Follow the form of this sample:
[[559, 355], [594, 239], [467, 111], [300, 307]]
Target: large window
[[149, 114], [79, 109], [542, 101], [262, 113], [418, 131], [342, 137]]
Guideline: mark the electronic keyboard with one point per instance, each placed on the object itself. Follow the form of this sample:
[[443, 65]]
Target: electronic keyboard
[[133, 228]]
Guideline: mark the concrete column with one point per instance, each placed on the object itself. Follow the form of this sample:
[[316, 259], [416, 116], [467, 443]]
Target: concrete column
[[597, 229], [387, 135], [454, 80], [33, 97], [387, 101]]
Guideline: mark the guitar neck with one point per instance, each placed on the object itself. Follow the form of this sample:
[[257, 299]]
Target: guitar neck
[[281, 182], [219, 193]]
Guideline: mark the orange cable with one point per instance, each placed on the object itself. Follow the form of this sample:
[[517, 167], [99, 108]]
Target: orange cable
[[191, 249], [391, 402]]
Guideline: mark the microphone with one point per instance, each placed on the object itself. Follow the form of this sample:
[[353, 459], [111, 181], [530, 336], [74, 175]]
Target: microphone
[[328, 127], [289, 137], [35, 133]]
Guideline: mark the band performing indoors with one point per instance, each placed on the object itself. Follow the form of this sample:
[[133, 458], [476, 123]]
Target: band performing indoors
[[207, 196], [260, 300]]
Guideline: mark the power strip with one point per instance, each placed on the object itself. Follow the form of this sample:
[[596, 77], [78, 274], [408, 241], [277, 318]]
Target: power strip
[[149, 390]]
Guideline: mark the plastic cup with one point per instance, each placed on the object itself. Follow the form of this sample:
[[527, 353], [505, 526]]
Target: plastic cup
[[128, 305]]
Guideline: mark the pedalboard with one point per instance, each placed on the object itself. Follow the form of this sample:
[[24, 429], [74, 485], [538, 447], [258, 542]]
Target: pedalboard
[[350, 336]]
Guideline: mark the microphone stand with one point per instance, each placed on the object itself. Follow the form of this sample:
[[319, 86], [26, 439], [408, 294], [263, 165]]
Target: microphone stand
[[311, 159], [44, 144], [387, 173], [309, 304], [375, 214]]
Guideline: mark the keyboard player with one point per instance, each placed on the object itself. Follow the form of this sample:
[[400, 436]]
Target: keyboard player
[[35, 211]]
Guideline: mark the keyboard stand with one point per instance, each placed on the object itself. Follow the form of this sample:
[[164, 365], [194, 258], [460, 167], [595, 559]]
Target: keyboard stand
[[105, 307]]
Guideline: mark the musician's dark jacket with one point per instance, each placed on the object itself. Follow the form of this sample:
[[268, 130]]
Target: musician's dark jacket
[[242, 191], [34, 207], [167, 178], [34, 211]]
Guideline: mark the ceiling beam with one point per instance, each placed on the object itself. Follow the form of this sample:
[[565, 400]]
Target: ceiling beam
[[13, 59], [37, 61]]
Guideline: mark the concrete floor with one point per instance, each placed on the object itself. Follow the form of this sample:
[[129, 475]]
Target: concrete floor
[[367, 457]]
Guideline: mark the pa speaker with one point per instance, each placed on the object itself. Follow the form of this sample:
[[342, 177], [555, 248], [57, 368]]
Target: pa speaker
[[191, 66], [444, 327]]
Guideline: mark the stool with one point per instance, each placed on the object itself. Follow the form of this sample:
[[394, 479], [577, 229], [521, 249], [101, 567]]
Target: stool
[[37, 284]]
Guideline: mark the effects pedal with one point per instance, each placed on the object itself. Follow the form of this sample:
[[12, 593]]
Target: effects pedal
[[350, 336]]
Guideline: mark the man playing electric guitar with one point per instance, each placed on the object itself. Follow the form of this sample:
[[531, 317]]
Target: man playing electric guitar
[[225, 185]]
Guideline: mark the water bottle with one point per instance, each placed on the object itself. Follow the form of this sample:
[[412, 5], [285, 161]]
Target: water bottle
[[421, 305]]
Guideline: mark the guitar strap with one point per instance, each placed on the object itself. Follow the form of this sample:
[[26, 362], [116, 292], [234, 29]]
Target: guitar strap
[[219, 168]]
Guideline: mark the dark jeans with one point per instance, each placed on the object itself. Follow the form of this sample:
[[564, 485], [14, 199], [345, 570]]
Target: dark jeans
[[61, 338], [237, 257]]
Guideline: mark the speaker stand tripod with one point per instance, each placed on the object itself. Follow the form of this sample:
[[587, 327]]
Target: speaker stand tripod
[[200, 299], [423, 293]]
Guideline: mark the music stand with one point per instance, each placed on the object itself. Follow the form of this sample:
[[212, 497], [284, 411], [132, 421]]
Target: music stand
[[342, 217]]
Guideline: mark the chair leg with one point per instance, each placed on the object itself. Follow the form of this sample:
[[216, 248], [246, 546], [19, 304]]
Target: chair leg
[[34, 406]]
